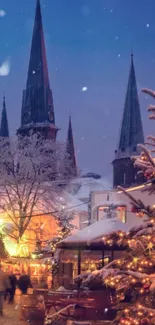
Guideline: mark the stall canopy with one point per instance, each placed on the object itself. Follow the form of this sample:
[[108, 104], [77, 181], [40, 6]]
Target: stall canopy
[[89, 235]]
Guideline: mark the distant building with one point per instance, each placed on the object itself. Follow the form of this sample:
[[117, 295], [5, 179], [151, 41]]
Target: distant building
[[4, 128], [37, 114], [114, 205], [131, 134], [80, 189]]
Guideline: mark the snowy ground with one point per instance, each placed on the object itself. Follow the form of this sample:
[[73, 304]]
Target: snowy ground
[[11, 313], [11, 316]]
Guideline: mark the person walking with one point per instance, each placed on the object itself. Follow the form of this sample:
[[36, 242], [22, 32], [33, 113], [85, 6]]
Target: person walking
[[12, 290], [24, 283], [4, 285]]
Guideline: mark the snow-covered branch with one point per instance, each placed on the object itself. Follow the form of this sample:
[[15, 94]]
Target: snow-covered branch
[[149, 92]]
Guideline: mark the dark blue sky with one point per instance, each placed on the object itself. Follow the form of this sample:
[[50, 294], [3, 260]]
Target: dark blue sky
[[88, 44]]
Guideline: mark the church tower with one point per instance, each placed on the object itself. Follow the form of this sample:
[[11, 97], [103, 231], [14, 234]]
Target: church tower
[[4, 128], [124, 172], [70, 160], [37, 104]]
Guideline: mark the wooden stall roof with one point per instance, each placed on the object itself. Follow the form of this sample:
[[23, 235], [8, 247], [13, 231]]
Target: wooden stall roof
[[90, 238]]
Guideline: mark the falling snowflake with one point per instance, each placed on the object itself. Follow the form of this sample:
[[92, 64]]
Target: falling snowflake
[[2, 13], [116, 38], [84, 89], [33, 72], [5, 68], [147, 25], [119, 55]]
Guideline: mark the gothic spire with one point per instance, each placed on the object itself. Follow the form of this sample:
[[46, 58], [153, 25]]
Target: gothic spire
[[38, 72], [70, 160], [37, 105], [131, 128], [4, 128]]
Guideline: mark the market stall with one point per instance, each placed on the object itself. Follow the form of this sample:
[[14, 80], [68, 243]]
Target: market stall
[[39, 270], [86, 251]]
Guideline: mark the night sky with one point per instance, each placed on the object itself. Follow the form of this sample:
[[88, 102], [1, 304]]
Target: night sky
[[88, 45]]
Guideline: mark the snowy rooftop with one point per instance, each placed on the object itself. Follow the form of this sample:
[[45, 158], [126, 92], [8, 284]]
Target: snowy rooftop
[[96, 230], [82, 187], [76, 205]]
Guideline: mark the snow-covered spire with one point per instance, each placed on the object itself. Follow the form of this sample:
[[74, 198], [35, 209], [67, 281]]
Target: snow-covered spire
[[4, 128]]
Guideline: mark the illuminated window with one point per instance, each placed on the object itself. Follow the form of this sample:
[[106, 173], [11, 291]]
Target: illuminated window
[[112, 212]]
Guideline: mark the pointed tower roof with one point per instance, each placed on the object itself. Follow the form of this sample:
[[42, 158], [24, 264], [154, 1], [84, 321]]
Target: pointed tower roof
[[37, 105], [131, 128], [4, 128], [70, 160], [38, 72]]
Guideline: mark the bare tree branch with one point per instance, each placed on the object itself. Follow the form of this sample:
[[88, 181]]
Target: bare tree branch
[[28, 167]]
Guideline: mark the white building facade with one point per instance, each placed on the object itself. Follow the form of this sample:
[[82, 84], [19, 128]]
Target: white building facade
[[114, 204]]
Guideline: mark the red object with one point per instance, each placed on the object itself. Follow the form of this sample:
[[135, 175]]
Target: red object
[[134, 209], [145, 321], [146, 285]]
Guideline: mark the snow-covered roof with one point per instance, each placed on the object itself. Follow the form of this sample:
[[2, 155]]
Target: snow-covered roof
[[82, 187], [74, 204], [96, 230], [112, 202]]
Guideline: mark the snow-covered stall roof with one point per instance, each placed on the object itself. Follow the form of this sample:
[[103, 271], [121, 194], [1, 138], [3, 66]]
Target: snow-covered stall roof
[[95, 231]]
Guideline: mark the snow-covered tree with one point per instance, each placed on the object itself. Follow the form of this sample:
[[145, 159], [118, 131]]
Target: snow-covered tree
[[30, 175], [133, 275]]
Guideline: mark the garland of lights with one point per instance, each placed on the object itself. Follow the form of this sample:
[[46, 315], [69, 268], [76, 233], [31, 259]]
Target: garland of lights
[[133, 276], [135, 315]]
